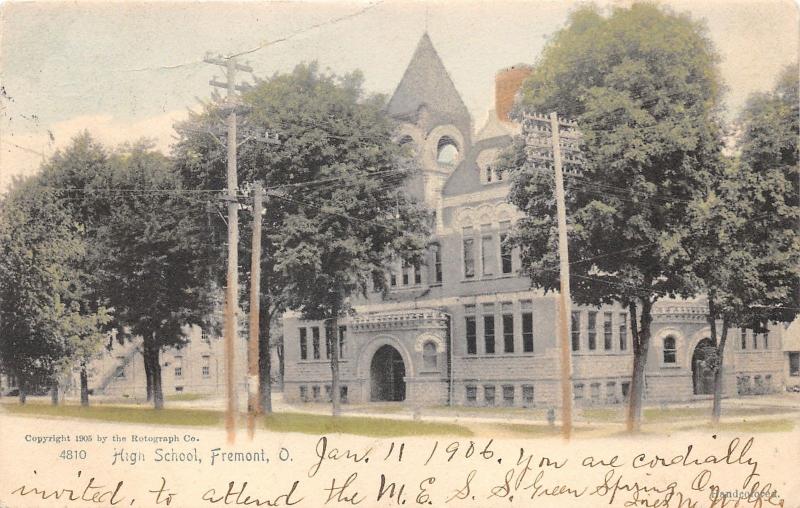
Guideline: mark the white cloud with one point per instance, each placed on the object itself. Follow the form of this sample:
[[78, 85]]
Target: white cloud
[[22, 152]]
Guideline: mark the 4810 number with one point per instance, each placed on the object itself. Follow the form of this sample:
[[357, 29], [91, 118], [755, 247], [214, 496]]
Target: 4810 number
[[72, 454]]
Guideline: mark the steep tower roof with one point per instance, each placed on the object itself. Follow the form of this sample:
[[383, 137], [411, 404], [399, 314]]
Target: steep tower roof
[[426, 82]]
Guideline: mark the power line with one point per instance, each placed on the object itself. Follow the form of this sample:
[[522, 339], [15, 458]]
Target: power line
[[264, 44]]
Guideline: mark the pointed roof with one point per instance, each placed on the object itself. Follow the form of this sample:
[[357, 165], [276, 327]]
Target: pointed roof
[[427, 82]]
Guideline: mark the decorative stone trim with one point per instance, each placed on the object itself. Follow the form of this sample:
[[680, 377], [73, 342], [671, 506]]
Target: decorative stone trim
[[421, 318]]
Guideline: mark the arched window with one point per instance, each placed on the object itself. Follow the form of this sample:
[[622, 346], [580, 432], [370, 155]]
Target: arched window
[[429, 354], [447, 151], [670, 352]]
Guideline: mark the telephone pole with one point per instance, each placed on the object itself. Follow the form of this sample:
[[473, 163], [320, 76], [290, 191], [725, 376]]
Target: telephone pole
[[232, 291], [564, 307], [542, 151], [253, 392]]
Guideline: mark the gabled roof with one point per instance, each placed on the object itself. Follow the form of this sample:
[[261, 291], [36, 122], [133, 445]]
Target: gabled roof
[[426, 82]]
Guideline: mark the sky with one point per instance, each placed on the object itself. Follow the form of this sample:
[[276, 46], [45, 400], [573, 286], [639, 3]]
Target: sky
[[126, 70]]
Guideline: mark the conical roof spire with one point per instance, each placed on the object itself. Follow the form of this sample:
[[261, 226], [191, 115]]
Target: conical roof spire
[[426, 82]]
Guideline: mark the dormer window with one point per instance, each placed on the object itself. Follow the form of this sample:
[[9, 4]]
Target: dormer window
[[447, 151]]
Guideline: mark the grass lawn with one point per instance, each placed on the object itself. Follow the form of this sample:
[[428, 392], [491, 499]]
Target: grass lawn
[[779, 425], [278, 422], [146, 415], [186, 396], [374, 427]]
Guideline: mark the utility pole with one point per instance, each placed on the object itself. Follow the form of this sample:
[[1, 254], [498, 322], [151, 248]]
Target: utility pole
[[253, 393], [564, 307], [544, 142], [232, 293]]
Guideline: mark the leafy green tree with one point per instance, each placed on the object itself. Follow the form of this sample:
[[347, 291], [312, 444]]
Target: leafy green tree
[[335, 209], [39, 244], [152, 272], [744, 247], [78, 176], [643, 86]]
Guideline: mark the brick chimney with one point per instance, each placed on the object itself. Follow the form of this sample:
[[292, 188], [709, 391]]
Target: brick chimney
[[507, 83]]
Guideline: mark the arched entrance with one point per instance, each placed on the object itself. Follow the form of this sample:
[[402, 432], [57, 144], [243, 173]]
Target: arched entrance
[[387, 371], [703, 360]]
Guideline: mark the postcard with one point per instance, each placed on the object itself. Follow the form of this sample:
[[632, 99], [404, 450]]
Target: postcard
[[399, 253]]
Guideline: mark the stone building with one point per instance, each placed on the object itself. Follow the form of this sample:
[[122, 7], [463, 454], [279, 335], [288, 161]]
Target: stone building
[[466, 327]]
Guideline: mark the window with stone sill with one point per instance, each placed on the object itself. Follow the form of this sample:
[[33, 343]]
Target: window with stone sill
[[471, 394], [429, 356], [670, 351], [527, 395]]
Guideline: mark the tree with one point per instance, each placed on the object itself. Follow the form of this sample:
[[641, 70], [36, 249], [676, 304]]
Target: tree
[[78, 176], [335, 207], [38, 281], [152, 272], [643, 86], [744, 247]]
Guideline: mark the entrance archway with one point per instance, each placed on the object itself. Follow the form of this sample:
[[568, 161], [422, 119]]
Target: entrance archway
[[703, 360], [387, 371]]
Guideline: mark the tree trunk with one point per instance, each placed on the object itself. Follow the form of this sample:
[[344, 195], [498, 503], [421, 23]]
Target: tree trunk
[[148, 374], [716, 409], [84, 385], [23, 394], [265, 362], [152, 356], [279, 350], [54, 393], [641, 346], [335, 403]]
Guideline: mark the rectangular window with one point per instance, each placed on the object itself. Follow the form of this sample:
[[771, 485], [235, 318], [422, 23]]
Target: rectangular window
[[178, 366], [343, 394], [405, 269], [505, 254], [794, 364], [527, 395], [591, 327], [472, 336], [488, 395], [488, 334], [469, 257], [417, 275], [508, 395], [472, 394], [595, 392], [120, 372], [304, 393], [487, 254], [328, 341], [576, 330], [315, 342], [623, 331], [392, 278], [206, 366], [611, 392], [577, 391], [328, 392], [342, 340], [608, 339], [437, 262], [743, 335], [508, 333], [303, 344], [527, 332], [625, 386], [315, 392]]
